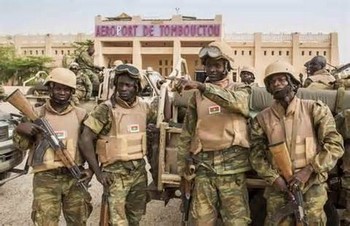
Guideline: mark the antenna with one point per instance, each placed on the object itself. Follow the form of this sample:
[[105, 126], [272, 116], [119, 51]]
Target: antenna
[[177, 10]]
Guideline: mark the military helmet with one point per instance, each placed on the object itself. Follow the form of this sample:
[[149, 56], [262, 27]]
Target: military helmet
[[130, 70], [217, 50], [74, 65], [248, 69], [62, 76], [117, 62], [280, 67]]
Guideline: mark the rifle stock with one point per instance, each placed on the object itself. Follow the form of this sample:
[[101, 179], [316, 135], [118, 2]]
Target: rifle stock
[[18, 100], [282, 159], [104, 212]]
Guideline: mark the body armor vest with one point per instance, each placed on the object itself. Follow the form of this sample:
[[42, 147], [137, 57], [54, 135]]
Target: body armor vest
[[217, 128], [127, 137], [296, 126], [67, 129]]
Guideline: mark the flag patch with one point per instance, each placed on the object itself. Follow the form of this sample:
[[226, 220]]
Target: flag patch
[[61, 134], [134, 128], [214, 109]]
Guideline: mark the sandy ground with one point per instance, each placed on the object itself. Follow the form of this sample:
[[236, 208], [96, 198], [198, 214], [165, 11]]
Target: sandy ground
[[16, 199]]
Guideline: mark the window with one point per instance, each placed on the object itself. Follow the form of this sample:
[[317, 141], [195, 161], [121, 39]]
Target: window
[[317, 53], [324, 53], [166, 62], [62, 52], [166, 71], [272, 52], [242, 52], [235, 52], [56, 52], [160, 70], [160, 62], [265, 53], [280, 53], [36, 52], [250, 52], [68, 51], [310, 53], [287, 53], [43, 52], [171, 62], [25, 52], [31, 52], [303, 53]]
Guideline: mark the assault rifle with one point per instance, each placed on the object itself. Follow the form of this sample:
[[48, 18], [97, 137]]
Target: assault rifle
[[187, 186], [18, 100], [104, 212], [295, 203]]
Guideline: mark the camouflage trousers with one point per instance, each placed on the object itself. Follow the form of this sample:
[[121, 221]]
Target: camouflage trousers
[[226, 195], [54, 191], [345, 182], [314, 200], [127, 197]]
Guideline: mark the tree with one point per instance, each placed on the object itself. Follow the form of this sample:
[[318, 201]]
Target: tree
[[18, 68]]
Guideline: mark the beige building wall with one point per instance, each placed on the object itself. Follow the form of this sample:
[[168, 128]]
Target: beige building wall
[[158, 43]]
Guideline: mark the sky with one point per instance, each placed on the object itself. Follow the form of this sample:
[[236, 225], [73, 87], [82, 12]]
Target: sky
[[239, 16]]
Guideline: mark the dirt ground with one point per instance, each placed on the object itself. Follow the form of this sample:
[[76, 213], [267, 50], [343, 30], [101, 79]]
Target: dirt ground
[[16, 199]]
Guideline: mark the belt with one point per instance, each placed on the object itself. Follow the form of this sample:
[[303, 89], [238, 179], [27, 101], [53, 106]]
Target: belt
[[63, 170]]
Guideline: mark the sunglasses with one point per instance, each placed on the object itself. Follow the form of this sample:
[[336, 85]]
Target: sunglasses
[[211, 51], [130, 69]]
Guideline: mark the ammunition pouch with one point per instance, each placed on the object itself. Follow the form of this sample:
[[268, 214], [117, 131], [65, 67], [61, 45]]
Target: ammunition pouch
[[281, 159]]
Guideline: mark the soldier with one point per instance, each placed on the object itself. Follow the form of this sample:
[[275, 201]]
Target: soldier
[[247, 76], [86, 61], [311, 151], [215, 136], [54, 188], [318, 76], [118, 126], [83, 87]]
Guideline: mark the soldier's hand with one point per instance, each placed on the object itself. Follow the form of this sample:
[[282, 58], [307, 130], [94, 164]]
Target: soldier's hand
[[188, 84], [86, 176], [280, 184], [301, 177], [105, 178], [28, 129]]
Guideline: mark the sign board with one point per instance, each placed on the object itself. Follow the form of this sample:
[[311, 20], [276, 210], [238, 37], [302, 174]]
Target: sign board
[[158, 30]]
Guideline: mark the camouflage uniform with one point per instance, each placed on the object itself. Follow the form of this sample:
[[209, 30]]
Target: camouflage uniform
[[220, 186], [56, 189], [321, 79], [343, 125], [84, 87], [127, 195], [330, 150], [86, 62]]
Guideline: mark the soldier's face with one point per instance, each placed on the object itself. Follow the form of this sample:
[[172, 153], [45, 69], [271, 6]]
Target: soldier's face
[[61, 94], [126, 88], [215, 69], [247, 77], [277, 84]]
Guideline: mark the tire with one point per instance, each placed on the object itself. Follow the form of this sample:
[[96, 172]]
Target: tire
[[4, 176]]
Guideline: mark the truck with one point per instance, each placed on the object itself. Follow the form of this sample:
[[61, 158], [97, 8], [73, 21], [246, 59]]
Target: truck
[[10, 156]]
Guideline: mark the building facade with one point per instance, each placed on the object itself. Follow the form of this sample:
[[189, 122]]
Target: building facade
[[159, 43]]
